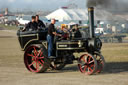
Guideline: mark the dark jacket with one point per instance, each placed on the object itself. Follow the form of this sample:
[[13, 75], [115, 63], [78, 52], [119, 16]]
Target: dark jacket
[[31, 26], [41, 24]]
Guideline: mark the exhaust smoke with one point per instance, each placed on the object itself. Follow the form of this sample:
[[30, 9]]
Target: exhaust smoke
[[109, 9], [115, 6]]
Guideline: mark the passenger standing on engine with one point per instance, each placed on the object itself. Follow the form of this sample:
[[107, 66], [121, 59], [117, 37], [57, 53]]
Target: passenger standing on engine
[[39, 22], [31, 26], [50, 37]]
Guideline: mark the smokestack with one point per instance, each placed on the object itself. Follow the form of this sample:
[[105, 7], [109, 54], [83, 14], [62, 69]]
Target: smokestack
[[91, 21]]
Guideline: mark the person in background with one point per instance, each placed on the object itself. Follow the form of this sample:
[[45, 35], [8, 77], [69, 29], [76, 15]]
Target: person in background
[[39, 22], [77, 32], [31, 26], [50, 38]]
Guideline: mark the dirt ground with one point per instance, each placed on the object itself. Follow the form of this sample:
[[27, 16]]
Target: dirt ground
[[13, 71]]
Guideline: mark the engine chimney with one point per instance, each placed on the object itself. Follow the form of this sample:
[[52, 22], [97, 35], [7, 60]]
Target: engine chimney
[[91, 21]]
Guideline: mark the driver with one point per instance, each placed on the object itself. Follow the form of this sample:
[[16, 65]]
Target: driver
[[50, 37]]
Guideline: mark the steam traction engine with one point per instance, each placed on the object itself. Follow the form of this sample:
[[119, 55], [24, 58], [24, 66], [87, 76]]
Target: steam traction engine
[[34, 45]]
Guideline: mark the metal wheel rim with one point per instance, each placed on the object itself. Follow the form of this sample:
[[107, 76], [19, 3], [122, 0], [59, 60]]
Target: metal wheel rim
[[34, 59], [87, 64]]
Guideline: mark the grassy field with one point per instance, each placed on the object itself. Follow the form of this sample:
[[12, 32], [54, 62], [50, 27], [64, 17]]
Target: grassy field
[[8, 27], [115, 52], [13, 71]]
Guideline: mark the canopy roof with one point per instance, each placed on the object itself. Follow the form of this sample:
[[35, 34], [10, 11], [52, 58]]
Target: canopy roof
[[68, 14]]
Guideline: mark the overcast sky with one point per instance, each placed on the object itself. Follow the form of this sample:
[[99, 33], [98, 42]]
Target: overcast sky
[[39, 4]]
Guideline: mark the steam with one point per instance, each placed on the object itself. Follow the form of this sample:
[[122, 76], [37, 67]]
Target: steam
[[109, 9], [110, 5]]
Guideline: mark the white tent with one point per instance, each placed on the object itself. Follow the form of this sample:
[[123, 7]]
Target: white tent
[[68, 14]]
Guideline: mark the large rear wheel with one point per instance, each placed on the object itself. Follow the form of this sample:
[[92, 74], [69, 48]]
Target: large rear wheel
[[35, 58]]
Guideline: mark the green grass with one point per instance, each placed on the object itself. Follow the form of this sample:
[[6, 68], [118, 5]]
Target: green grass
[[115, 52], [9, 27]]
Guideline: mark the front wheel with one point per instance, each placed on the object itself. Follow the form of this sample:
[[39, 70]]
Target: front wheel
[[35, 58], [87, 64]]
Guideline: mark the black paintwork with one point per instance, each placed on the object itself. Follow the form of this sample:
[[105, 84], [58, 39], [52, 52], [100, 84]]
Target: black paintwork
[[28, 37]]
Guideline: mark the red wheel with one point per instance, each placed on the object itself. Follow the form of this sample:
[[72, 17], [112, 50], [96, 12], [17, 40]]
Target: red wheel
[[87, 64], [35, 58], [100, 61]]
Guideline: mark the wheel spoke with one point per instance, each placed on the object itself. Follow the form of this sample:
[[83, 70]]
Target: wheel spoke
[[91, 62], [30, 55], [82, 66], [84, 59], [41, 63], [85, 67], [32, 63], [37, 65], [41, 54], [90, 69], [89, 59], [35, 51], [41, 57], [91, 65], [38, 53]]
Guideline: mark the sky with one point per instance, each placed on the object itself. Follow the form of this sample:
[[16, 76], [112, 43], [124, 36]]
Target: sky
[[39, 4]]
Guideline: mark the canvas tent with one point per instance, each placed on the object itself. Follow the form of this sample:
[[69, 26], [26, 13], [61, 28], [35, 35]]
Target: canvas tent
[[68, 14]]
